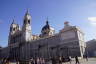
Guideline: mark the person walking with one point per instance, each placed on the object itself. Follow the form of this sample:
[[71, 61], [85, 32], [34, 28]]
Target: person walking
[[70, 59], [77, 60], [38, 60], [86, 57], [43, 61], [60, 60], [32, 61], [35, 61]]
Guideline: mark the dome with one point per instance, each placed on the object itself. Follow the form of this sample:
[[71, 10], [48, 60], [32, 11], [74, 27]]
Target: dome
[[46, 26], [47, 29], [52, 28]]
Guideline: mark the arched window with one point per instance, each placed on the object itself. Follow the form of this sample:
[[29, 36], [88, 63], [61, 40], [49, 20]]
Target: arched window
[[29, 21], [13, 29]]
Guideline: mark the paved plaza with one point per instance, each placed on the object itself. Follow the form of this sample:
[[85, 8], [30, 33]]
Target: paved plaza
[[90, 61]]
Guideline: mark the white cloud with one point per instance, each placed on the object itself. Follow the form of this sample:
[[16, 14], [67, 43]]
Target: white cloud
[[92, 20]]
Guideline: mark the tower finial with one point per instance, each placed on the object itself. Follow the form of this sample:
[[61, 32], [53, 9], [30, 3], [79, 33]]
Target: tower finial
[[47, 18], [27, 12], [47, 21], [13, 22], [27, 15]]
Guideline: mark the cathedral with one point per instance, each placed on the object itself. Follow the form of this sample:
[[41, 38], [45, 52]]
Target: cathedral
[[23, 45]]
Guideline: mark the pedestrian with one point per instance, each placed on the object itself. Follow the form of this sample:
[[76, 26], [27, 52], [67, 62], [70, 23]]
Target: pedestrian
[[32, 61], [77, 60], [60, 60], [38, 61], [86, 57], [70, 59], [35, 61], [43, 61]]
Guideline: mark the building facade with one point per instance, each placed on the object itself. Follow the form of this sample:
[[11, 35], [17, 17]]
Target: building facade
[[23, 45], [91, 48]]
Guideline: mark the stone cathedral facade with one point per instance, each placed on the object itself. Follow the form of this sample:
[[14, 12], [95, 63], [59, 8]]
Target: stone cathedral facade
[[23, 45]]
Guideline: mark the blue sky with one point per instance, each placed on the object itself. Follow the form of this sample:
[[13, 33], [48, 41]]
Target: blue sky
[[81, 13]]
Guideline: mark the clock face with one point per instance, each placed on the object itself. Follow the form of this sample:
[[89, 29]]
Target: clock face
[[68, 35]]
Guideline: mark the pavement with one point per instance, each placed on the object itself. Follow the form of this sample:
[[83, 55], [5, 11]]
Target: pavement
[[83, 61]]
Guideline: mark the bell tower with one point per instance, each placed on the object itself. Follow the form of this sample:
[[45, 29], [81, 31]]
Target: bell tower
[[26, 29], [14, 28]]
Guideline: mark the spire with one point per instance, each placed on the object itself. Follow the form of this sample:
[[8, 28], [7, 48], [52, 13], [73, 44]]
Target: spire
[[47, 23], [27, 15], [13, 22], [27, 12]]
